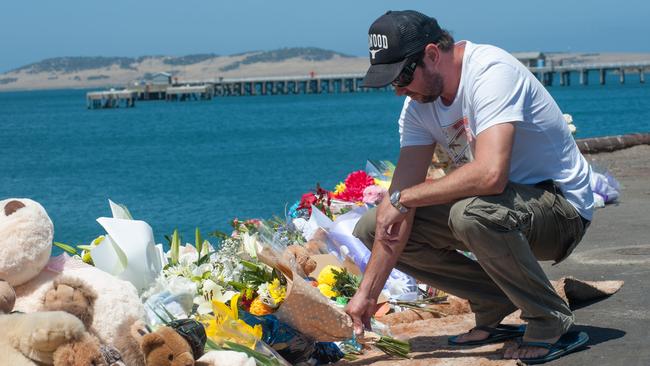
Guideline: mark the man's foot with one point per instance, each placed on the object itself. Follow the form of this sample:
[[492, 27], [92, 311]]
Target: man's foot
[[472, 336], [536, 352], [522, 351], [485, 335]]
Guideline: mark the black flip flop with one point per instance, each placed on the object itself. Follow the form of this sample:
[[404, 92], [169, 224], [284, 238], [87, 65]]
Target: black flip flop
[[497, 334], [568, 343]]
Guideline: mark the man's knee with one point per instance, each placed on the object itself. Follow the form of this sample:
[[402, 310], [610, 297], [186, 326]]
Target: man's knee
[[459, 221], [365, 228]]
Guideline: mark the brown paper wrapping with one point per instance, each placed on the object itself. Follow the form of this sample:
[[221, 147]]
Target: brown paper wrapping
[[305, 308]]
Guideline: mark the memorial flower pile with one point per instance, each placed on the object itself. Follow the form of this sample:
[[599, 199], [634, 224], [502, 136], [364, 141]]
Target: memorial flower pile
[[253, 289]]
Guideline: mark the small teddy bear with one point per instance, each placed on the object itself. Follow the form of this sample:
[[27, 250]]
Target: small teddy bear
[[297, 254], [38, 338], [165, 347]]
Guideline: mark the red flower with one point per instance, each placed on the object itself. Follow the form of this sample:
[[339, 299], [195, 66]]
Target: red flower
[[355, 183], [322, 200], [307, 200]]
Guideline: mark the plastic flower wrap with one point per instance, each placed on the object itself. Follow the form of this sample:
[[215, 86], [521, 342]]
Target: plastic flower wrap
[[225, 325]]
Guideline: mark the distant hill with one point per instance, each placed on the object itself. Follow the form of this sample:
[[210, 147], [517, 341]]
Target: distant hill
[[91, 72], [80, 72]]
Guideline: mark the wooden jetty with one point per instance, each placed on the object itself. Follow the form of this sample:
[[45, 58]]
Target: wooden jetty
[[110, 99], [165, 87], [546, 74]]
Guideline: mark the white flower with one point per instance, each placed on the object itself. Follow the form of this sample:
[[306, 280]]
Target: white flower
[[181, 285], [187, 258], [249, 243], [299, 223], [201, 270], [265, 295], [211, 291]]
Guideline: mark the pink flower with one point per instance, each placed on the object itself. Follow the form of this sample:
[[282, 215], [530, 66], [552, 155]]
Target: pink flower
[[373, 194]]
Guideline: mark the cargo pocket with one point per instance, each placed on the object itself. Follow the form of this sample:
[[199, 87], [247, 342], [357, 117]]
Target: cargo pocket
[[570, 227], [497, 214]]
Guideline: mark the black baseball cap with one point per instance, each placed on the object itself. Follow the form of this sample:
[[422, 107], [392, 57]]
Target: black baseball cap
[[392, 39]]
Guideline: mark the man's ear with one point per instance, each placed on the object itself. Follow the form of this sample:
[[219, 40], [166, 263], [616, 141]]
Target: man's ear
[[432, 53], [151, 341]]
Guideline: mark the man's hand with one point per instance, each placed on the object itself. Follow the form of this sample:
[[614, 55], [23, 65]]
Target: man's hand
[[361, 308], [389, 221]]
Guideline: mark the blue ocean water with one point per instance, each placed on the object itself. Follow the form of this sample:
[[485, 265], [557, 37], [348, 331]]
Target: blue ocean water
[[188, 164]]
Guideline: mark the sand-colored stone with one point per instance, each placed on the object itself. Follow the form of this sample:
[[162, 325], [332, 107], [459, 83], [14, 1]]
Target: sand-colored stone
[[428, 333]]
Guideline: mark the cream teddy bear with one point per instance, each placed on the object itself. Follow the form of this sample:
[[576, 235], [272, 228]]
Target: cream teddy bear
[[35, 338], [26, 234]]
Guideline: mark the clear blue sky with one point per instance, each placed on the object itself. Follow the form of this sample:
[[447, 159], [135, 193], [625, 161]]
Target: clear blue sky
[[32, 30]]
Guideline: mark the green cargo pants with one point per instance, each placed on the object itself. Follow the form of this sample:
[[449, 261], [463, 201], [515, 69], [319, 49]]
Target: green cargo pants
[[508, 234]]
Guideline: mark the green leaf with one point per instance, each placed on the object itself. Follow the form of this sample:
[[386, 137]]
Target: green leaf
[[205, 258], [67, 248], [239, 286], [219, 235], [85, 247]]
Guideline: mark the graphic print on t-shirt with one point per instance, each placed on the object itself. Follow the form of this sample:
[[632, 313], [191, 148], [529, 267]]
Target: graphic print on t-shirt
[[459, 141]]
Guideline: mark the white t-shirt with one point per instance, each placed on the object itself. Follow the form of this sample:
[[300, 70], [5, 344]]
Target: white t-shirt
[[496, 88]]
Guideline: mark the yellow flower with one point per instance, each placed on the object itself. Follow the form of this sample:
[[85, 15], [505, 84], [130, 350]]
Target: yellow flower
[[326, 276], [326, 290], [277, 291], [259, 308], [382, 183], [225, 325], [339, 188]]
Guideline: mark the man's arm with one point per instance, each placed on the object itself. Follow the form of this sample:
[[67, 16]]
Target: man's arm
[[390, 234], [487, 174]]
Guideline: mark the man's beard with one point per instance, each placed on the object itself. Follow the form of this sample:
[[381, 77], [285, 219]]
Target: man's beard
[[433, 88]]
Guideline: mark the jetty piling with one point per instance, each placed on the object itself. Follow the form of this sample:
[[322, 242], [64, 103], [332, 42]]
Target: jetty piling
[[546, 74]]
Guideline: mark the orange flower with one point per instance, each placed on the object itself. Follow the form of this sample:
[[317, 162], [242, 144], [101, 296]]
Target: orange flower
[[260, 308]]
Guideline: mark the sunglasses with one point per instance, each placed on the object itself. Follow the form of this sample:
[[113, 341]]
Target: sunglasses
[[405, 77]]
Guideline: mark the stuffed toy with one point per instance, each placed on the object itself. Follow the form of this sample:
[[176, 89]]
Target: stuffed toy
[[298, 255], [225, 358], [165, 347], [26, 234], [44, 338]]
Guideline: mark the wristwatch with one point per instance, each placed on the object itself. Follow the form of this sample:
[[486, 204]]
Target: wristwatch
[[394, 200]]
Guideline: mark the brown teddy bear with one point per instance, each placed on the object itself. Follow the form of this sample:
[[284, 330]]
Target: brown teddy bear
[[297, 254], [75, 297], [165, 347]]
